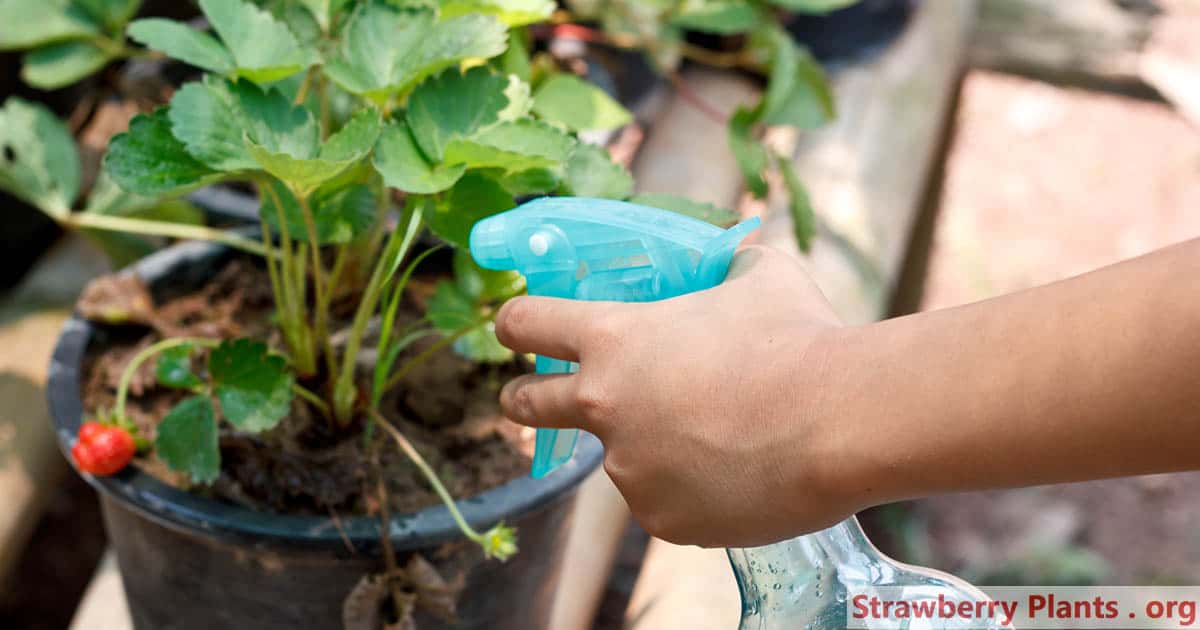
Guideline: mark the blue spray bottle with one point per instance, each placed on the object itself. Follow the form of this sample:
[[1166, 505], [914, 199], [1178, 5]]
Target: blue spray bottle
[[600, 249]]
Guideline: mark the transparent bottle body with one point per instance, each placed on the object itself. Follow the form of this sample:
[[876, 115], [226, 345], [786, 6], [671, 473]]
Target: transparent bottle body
[[804, 583]]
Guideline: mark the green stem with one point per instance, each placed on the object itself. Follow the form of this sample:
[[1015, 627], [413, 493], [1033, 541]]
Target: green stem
[[312, 398], [431, 476], [442, 343], [397, 247], [138, 359], [163, 228], [320, 287], [302, 93], [292, 288]]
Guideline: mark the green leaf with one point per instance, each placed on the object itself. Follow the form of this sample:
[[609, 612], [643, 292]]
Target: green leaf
[[187, 440], [533, 181], [284, 139], [148, 160], [819, 7], [513, 146], [804, 218], [340, 213], [591, 172], [59, 65], [484, 285], [722, 17], [387, 50], [482, 346], [275, 124], [748, 152], [695, 209], [451, 310], [355, 139], [455, 105], [263, 48], [798, 94], [403, 166], [181, 42], [30, 23], [570, 101], [174, 368], [323, 10], [206, 118], [253, 386], [474, 197], [38, 157], [112, 14], [511, 12]]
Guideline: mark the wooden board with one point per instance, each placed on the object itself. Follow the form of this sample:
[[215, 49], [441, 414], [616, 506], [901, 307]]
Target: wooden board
[[1082, 43], [30, 319]]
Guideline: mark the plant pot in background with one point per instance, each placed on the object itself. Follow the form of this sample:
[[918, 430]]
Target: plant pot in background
[[190, 562], [853, 34]]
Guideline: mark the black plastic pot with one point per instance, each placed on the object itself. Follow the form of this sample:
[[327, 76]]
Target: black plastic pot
[[190, 562], [854, 34]]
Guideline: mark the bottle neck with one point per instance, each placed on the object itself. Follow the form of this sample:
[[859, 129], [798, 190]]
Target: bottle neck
[[811, 569]]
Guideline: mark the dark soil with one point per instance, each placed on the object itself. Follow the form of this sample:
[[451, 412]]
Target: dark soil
[[447, 408]]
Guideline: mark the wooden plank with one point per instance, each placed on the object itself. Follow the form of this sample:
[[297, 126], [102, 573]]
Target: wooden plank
[[103, 605], [1170, 61], [866, 174], [30, 319], [1086, 44]]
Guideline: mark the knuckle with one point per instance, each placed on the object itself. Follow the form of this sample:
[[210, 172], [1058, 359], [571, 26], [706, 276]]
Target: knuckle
[[593, 400], [606, 332]]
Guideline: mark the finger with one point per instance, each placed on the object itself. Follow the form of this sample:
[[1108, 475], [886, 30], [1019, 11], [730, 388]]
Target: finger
[[542, 400], [547, 326]]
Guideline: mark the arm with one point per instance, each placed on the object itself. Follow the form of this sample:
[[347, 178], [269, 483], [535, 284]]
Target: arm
[[1092, 377], [747, 414]]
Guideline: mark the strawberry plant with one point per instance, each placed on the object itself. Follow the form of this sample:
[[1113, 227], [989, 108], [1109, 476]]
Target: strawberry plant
[[365, 126], [797, 93]]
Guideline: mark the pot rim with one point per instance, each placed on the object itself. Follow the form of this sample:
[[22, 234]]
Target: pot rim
[[184, 510]]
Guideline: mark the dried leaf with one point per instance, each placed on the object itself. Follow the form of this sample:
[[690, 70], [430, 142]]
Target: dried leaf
[[363, 607], [434, 594], [118, 299]]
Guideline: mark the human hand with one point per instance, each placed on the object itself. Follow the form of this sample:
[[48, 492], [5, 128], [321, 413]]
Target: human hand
[[708, 405]]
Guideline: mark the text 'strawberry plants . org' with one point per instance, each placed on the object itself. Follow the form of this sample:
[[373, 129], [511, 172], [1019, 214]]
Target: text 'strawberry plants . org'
[[361, 125]]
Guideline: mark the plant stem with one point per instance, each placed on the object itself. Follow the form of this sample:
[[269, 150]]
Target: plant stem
[[138, 359], [435, 348], [312, 398], [385, 533], [320, 287], [292, 288], [302, 93], [397, 247], [163, 228], [430, 476]]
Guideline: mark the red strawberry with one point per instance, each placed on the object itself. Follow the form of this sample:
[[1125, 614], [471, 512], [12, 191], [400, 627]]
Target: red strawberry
[[103, 450], [89, 430]]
